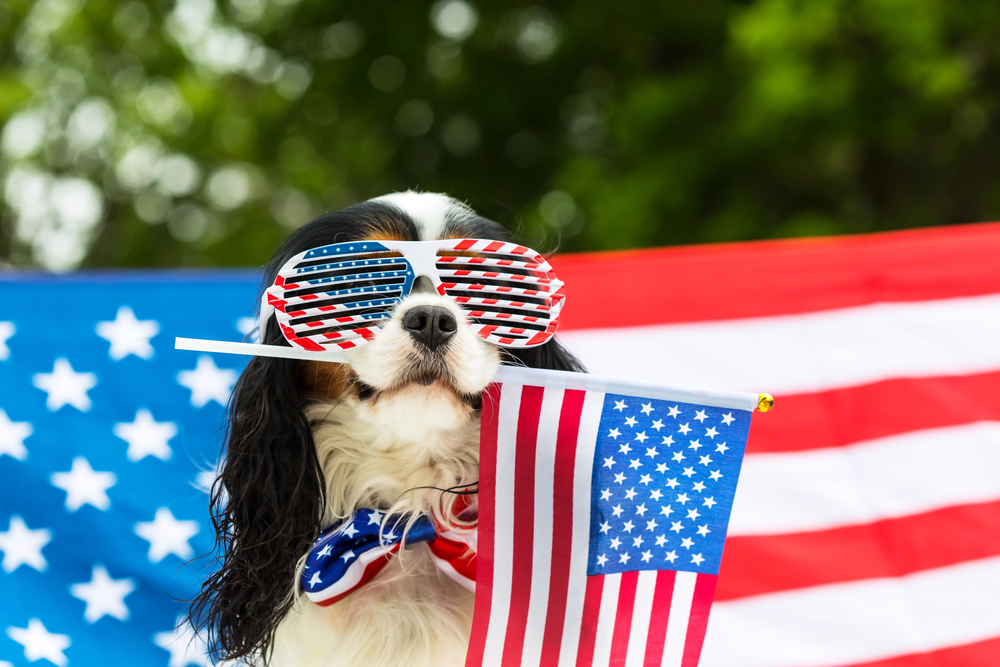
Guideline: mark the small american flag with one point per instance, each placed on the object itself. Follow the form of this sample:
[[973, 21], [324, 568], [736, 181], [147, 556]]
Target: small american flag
[[603, 513]]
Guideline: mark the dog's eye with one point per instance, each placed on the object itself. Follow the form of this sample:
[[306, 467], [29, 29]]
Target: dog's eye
[[364, 391]]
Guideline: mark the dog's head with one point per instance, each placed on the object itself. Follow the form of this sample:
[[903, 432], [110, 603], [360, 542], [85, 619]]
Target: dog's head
[[417, 379]]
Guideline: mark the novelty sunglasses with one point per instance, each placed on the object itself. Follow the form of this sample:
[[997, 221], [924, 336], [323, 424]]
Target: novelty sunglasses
[[335, 297]]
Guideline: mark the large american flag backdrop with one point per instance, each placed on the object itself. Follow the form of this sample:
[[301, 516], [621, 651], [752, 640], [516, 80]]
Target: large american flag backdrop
[[866, 525]]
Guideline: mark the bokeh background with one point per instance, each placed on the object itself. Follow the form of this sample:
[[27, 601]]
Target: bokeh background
[[195, 132]]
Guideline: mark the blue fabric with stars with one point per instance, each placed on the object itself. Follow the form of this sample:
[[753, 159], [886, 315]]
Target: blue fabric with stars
[[109, 439], [341, 545], [663, 483]]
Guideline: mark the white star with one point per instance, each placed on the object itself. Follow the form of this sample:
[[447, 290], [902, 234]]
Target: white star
[[616, 510], [630, 494], [104, 596], [641, 437], [656, 494], [65, 386], [676, 526], [671, 556], [628, 526], [7, 330], [630, 421], [661, 540], [186, 646], [647, 408], [682, 498], [348, 555], [705, 460], [375, 518], [651, 452], [687, 542], [601, 560], [12, 435], [651, 524], [605, 527], [620, 478], [608, 462], [661, 467], [315, 579], [84, 486], [693, 514], [727, 418], [624, 558], [645, 479], [146, 436], [350, 530], [640, 509], [40, 644], [637, 541], [674, 412], [658, 424], [715, 474], [208, 382], [695, 445], [700, 415], [679, 456], [606, 494], [625, 449], [614, 433], [709, 502], [699, 486], [667, 440], [248, 326], [390, 536], [23, 546], [672, 482], [666, 510], [721, 448], [688, 472], [684, 429], [128, 335], [697, 559], [166, 535], [615, 543], [646, 555], [703, 530], [635, 464], [620, 405], [712, 432], [325, 551]]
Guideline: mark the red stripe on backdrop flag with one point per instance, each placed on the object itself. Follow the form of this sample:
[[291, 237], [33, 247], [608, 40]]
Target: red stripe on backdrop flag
[[865, 527]]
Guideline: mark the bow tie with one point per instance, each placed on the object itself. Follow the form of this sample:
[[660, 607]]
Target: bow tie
[[348, 554]]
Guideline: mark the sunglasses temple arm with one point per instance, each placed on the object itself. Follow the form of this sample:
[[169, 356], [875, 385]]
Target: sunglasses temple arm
[[254, 350]]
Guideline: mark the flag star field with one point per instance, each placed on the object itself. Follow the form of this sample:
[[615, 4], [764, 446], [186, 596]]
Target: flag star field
[[663, 485], [109, 439]]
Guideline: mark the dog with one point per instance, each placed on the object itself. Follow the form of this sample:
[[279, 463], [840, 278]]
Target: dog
[[309, 443]]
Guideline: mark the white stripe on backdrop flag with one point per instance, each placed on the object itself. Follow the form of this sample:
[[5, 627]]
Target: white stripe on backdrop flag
[[603, 512], [866, 528]]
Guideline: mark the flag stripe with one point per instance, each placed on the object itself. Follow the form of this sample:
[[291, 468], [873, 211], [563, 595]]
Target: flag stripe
[[805, 353], [623, 619], [503, 529], [680, 611], [604, 631], [887, 548], [589, 622], [843, 624], [545, 527], [524, 523], [638, 637], [865, 482], [485, 540], [562, 515], [704, 590], [810, 274], [977, 654], [659, 616], [844, 416]]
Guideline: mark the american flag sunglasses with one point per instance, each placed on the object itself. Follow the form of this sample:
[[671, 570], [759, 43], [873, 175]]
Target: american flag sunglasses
[[337, 296]]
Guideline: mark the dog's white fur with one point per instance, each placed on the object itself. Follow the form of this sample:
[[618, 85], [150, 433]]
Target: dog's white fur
[[377, 453]]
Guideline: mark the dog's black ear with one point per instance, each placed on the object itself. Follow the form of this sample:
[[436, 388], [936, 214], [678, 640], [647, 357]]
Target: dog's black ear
[[552, 355], [266, 509]]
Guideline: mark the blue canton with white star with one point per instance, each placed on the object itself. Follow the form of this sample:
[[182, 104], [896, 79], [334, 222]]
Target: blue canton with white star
[[663, 483], [109, 440]]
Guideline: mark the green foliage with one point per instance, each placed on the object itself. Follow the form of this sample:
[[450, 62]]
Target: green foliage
[[186, 132]]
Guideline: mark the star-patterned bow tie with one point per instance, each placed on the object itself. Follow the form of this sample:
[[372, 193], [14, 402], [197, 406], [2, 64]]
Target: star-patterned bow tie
[[349, 554]]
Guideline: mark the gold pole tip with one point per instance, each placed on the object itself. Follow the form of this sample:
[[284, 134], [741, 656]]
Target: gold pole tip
[[765, 402]]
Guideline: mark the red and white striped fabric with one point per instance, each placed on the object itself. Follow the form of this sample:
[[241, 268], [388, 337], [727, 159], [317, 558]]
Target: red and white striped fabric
[[866, 526]]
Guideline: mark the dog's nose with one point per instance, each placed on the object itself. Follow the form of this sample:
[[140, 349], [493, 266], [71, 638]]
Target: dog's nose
[[431, 326]]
